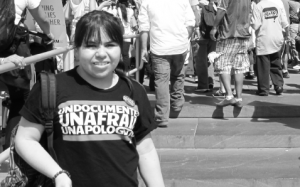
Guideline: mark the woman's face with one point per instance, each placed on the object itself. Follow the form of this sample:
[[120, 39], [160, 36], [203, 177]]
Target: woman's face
[[98, 61]]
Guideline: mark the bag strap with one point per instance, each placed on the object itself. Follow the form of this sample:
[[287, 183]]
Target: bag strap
[[48, 86]]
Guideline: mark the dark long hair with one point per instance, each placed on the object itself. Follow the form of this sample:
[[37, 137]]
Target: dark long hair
[[90, 26]]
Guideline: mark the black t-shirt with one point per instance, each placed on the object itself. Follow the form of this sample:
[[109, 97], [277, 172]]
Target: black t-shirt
[[95, 130]]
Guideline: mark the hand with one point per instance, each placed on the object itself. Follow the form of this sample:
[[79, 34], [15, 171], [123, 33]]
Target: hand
[[213, 33], [63, 180], [144, 56], [17, 60], [50, 39], [105, 4], [287, 39], [197, 34]]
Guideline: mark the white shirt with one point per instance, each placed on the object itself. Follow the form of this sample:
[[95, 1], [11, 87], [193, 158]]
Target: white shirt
[[279, 3], [21, 5], [166, 20], [194, 2], [268, 21]]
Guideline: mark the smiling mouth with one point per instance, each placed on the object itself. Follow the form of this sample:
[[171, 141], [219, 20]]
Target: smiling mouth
[[100, 63]]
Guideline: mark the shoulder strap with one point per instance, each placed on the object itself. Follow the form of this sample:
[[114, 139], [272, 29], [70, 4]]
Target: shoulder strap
[[48, 86]]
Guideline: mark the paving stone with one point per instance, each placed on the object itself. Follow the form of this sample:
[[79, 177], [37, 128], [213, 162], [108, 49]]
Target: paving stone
[[229, 133], [251, 165], [179, 134], [248, 133]]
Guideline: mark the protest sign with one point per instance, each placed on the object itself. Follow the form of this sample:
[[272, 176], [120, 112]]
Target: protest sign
[[54, 13]]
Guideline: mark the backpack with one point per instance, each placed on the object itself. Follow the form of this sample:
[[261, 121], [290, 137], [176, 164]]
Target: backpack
[[208, 15], [20, 173]]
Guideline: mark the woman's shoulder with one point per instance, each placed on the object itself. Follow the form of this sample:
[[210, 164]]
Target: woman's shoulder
[[66, 77], [139, 89]]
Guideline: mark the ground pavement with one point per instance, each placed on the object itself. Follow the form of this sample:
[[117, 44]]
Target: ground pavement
[[254, 146], [208, 146]]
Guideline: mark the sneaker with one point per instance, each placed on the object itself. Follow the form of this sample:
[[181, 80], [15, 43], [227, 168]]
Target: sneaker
[[162, 125], [233, 91], [195, 79], [261, 93], [239, 104], [202, 90], [250, 76], [297, 67], [218, 93], [286, 75], [279, 90], [227, 102], [211, 86]]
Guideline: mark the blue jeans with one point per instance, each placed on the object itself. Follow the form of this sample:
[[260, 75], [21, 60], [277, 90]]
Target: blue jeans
[[168, 68]]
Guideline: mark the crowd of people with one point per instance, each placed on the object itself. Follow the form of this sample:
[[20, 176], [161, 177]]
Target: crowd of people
[[227, 40], [222, 39]]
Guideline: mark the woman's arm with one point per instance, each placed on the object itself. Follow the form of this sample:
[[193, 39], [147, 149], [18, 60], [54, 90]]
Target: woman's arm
[[104, 4], [149, 165], [40, 17], [4, 155], [28, 147]]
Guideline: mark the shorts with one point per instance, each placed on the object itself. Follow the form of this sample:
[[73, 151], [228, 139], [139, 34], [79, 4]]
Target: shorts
[[234, 58]]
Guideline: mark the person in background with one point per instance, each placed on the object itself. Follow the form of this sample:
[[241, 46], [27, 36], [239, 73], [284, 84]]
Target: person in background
[[126, 14], [232, 24], [268, 21], [286, 47], [170, 30], [190, 53], [251, 50], [113, 122], [204, 69], [19, 95], [79, 8], [294, 25]]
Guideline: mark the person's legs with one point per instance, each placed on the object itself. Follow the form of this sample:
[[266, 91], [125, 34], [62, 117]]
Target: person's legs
[[177, 82], [263, 69], [161, 69], [239, 79], [241, 65], [125, 55], [210, 48], [226, 81], [276, 72], [285, 51], [223, 66], [250, 75], [201, 65], [294, 52]]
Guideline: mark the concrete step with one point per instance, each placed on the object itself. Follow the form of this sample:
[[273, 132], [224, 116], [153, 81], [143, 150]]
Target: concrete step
[[197, 133], [273, 106], [231, 167]]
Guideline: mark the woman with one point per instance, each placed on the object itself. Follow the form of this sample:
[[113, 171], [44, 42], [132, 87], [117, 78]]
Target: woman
[[103, 121]]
